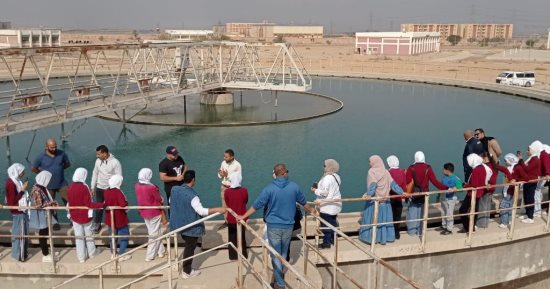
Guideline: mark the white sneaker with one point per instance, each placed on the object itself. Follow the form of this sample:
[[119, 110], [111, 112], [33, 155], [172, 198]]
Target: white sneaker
[[95, 254], [161, 255], [503, 226], [48, 259], [528, 221], [522, 217], [125, 258], [194, 273], [537, 215]]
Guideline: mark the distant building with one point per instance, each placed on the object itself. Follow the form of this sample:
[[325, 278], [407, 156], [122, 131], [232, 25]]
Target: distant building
[[190, 34], [267, 31], [298, 31], [397, 43], [466, 31], [249, 30], [548, 40], [30, 38]]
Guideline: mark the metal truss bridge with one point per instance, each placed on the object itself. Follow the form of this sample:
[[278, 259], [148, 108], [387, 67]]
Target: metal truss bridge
[[46, 86]]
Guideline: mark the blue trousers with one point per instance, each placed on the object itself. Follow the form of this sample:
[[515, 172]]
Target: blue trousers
[[19, 226], [505, 211], [328, 238], [415, 212], [122, 242], [279, 239]]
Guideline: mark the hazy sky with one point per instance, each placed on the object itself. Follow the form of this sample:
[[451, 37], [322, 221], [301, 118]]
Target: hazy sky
[[528, 16]]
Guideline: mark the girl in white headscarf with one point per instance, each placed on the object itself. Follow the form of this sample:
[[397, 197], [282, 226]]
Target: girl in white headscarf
[[15, 192], [79, 195], [236, 198], [40, 198], [148, 194], [327, 190], [508, 193], [480, 177], [531, 169], [419, 176], [399, 176], [114, 197]]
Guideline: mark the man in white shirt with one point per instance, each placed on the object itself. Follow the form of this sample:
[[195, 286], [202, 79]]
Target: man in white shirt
[[106, 166], [228, 166]]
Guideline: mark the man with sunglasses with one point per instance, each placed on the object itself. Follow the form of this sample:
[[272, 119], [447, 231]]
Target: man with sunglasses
[[473, 146]]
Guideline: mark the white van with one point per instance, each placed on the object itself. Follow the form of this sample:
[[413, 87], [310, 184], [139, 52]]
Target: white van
[[523, 78]]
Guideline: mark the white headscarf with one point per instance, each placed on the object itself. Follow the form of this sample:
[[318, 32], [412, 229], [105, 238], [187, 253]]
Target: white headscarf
[[43, 178], [393, 162], [419, 157], [511, 161], [115, 182], [13, 173], [546, 148], [80, 175], [236, 178], [474, 160], [535, 148], [145, 175]]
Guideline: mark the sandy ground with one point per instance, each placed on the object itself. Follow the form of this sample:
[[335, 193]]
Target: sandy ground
[[474, 64]]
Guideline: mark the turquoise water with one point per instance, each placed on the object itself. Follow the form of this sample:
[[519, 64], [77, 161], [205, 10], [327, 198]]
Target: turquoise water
[[379, 117]]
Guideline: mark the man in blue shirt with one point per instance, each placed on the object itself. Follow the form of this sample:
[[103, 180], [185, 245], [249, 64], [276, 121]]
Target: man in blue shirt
[[280, 197], [54, 161]]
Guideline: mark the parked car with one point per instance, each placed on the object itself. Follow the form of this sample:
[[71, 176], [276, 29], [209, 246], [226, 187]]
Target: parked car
[[520, 78]]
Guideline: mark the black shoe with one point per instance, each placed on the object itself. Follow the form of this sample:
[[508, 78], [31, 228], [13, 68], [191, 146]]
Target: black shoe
[[56, 227], [222, 226], [446, 232], [323, 246], [96, 229], [440, 229], [463, 231]]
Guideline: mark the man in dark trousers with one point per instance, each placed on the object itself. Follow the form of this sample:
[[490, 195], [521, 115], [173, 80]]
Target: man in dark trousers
[[473, 146]]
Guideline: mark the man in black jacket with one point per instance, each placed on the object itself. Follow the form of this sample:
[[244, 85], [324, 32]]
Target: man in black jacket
[[473, 146]]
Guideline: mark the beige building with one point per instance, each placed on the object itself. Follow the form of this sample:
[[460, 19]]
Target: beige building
[[267, 31], [466, 31], [29, 38]]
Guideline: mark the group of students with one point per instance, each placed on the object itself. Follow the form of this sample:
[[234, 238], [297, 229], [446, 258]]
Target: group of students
[[185, 204], [416, 178], [31, 214]]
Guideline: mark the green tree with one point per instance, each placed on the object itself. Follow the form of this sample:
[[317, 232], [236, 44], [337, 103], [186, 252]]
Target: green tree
[[164, 36], [454, 39], [530, 43]]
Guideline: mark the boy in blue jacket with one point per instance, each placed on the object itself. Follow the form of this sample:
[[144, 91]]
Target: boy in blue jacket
[[449, 200]]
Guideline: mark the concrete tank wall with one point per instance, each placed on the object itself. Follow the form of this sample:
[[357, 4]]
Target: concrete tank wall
[[468, 268]]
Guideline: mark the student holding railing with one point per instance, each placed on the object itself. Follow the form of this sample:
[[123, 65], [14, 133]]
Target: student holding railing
[[531, 168], [78, 194], [40, 198], [148, 194], [16, 195], [419, 176], [379, 183], [480, 176], [508, 194], [114, 197]]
